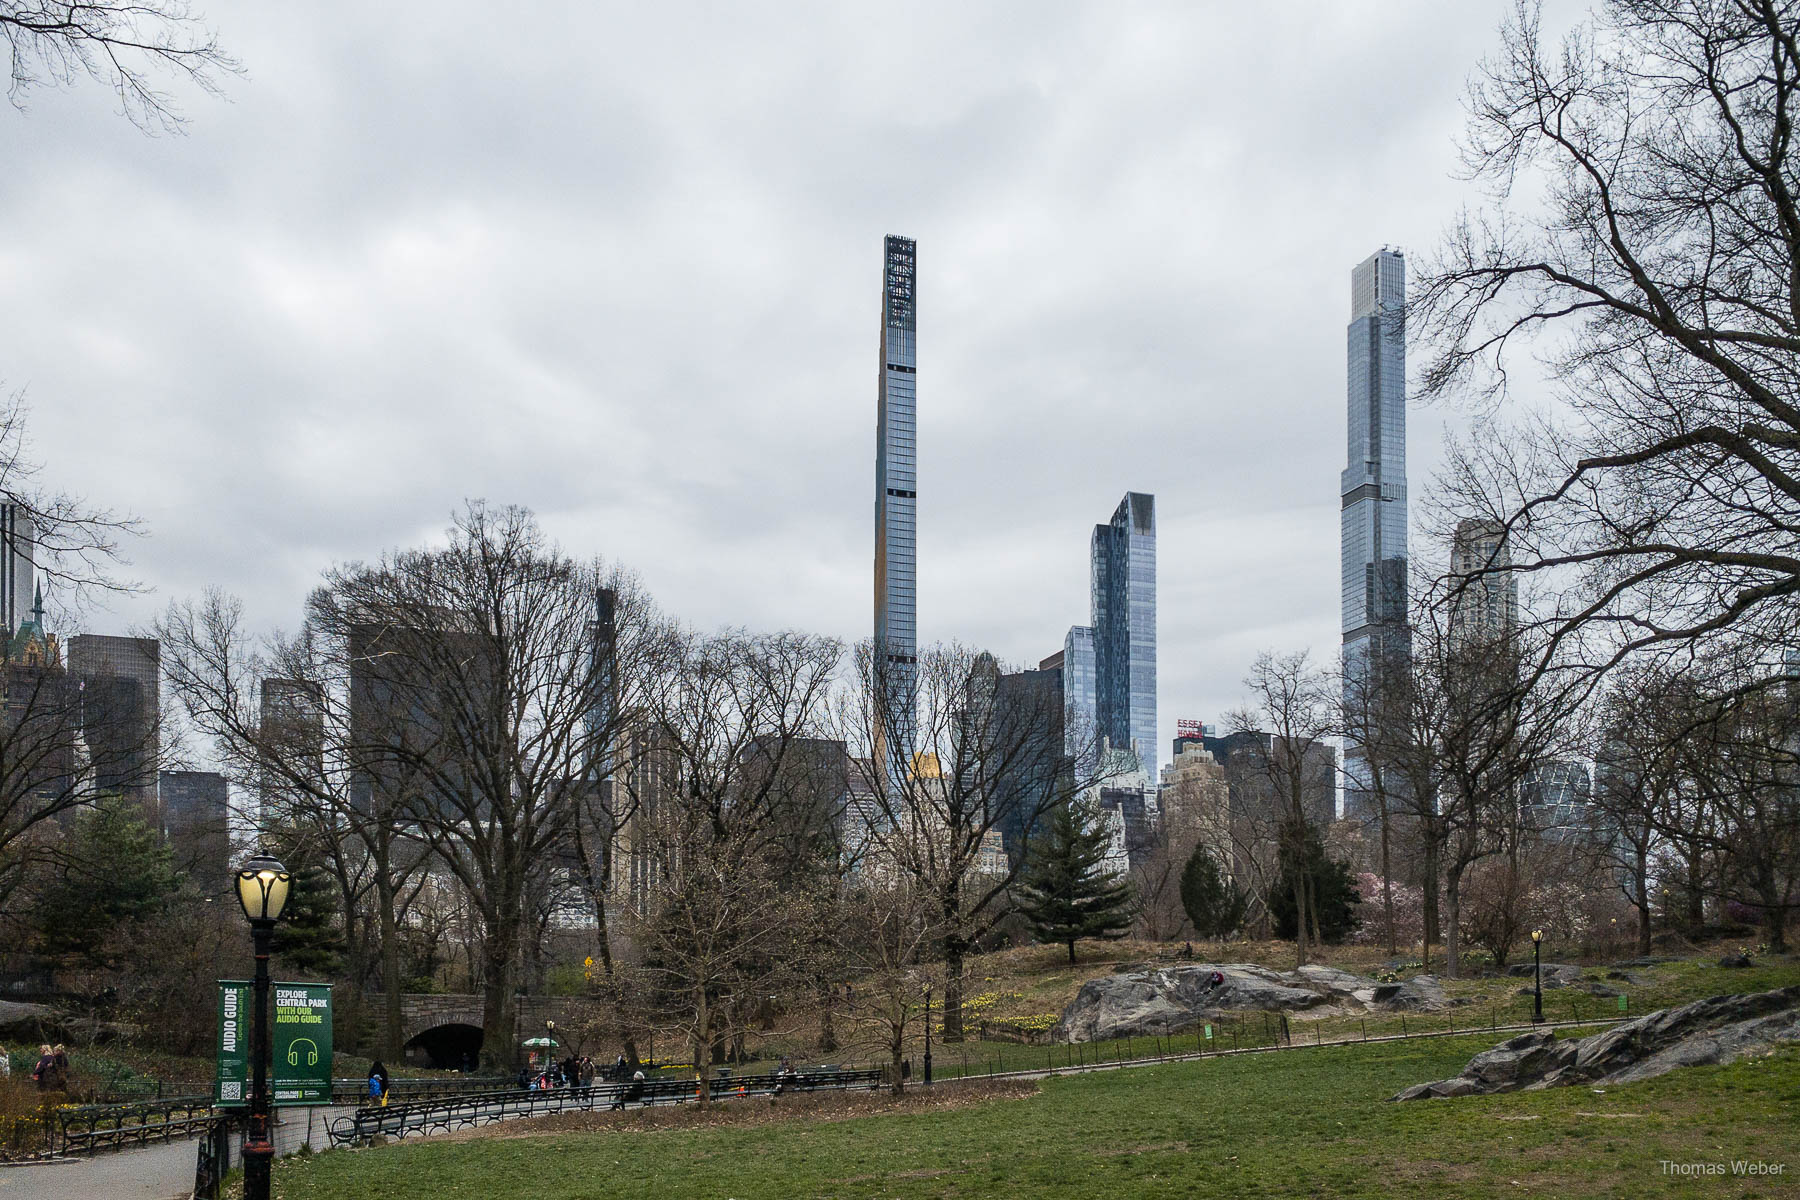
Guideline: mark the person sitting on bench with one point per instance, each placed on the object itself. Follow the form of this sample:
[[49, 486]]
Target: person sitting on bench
[[635, 1091]]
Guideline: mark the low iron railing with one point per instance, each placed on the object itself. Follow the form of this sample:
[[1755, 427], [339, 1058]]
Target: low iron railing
[[90, 1127], [443, 1116]]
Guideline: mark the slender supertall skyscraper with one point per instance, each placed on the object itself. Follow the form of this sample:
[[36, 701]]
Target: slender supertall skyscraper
[[1123, 584], [1373, 495], [896, 646]]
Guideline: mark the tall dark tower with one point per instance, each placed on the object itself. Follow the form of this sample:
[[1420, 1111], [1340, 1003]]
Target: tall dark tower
[[896, 645]]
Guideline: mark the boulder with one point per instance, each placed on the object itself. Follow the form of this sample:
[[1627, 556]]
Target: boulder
[[1162, 1000], [1736, 962], [1340, 986], [1717, 1030], [1555, 974], [31, 1022], [1421, 993]]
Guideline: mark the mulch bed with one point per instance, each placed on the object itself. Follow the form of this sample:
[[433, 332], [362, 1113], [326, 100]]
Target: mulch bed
[[758, 1110]]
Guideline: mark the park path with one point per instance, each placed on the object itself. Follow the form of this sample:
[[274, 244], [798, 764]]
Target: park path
[[164, 1172]]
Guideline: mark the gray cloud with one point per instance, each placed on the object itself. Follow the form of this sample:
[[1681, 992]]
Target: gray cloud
[[619, 264]]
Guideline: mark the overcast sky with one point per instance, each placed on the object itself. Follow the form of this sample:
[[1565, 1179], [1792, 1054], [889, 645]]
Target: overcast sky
[[621, 264]]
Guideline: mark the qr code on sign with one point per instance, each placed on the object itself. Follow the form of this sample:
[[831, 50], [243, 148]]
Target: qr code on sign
[[231, 1091]]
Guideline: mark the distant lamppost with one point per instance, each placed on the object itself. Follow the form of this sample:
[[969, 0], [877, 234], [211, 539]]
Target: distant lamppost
[[550, 1050], [262, 889], [928, 1033], [1537, 971]]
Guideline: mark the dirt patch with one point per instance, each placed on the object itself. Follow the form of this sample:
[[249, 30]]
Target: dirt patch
[[758, 1110]]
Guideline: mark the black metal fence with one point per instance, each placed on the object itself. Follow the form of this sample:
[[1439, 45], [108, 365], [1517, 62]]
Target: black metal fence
[[443, 1116]]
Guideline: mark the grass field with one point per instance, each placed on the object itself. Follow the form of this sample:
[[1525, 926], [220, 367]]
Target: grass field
[[1307, 1122]]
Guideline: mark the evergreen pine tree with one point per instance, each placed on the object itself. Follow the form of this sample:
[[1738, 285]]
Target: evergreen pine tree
[[115, 869], [1332, 886], [1065, 891], [309, 938], [1214, 904]]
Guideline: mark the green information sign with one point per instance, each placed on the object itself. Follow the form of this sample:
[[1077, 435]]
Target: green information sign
[[1209, 1033], [1621, 1004], [299, 1038]]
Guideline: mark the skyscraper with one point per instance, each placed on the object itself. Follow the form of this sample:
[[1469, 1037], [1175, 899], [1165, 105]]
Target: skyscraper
[[1485, 604], [121, 712], [1077, 664], [1123, 583], [18, 541], [1373, 493], [896, 649]]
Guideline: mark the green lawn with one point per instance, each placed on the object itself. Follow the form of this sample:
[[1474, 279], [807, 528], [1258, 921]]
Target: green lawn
[[1301, 1123]]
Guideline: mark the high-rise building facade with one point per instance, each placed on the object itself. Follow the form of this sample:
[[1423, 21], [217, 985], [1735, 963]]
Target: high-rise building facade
[[1078, 683], [118, 680], [1373, 497], [18, 542], [1484, 605], [196, 822], [1124, 628], [896, 647]]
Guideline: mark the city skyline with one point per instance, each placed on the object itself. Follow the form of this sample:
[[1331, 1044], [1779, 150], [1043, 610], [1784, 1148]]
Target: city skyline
[[519, 325]]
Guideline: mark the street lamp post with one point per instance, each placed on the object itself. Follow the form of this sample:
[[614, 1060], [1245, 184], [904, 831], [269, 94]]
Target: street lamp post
[[550, 1050], [928, 1033], [262, 890], [1537, 973]]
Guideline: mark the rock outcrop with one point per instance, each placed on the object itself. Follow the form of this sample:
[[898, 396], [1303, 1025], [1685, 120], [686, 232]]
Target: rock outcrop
[[1421, 993], [30, 1022], [1721, 1029], [1162, 1000]]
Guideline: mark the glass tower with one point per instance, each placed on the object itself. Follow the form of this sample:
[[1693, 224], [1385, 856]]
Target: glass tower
[[1124, 608], [1078, 698], [895, 646], [1373, 493]]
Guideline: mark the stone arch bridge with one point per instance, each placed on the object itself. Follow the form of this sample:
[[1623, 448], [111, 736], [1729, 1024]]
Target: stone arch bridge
[[443, 1030]]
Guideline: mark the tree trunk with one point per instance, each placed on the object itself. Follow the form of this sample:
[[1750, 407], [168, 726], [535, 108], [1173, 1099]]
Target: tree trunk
[[702, 1049], [1775, 922], [1453, 927], [1387, 881], [1429, 899], [897, 1051], [1642, 902], [953, 990], [827, 1027], [499, 1018], [391, 1020], [1071, 951], [1299, 912]]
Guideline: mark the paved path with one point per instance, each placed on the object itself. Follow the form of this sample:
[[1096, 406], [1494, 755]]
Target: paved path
[[154, 1173], [164, 1172]]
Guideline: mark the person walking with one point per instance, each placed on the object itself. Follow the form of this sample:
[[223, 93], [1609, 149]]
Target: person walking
[[378, 1084], [5, 1064], [62, 1067], [44, 1073]]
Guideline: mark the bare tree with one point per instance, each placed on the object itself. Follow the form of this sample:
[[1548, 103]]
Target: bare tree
[[120, 43], [960, 759], [1295, 706], [1645, 218], [733, 902], [472, 702], [883, 933], [277, 712]]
